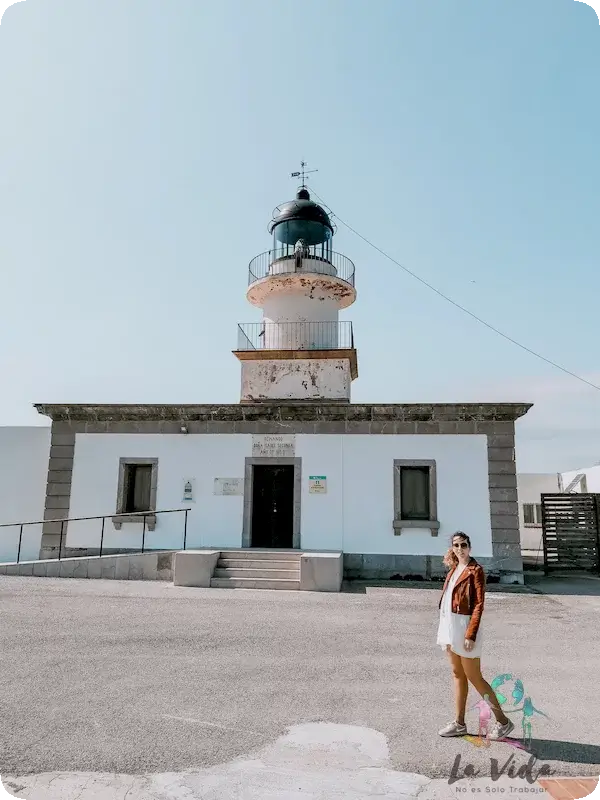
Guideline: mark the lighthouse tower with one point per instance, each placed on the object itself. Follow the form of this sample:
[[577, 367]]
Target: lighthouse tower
[[300, 351]]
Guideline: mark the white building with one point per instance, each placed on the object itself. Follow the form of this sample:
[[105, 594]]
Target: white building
[[295, 465], [582, 480], [531, 486]]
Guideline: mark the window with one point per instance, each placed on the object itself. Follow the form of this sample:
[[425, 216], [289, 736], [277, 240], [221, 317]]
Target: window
[[532, 514], [415, 501], [136, 491], [137, 494]]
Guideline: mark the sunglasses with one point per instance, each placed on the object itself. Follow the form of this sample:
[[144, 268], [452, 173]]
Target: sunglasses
[[460, 544]]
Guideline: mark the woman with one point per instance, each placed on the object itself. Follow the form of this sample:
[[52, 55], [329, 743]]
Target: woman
[[459, 633]]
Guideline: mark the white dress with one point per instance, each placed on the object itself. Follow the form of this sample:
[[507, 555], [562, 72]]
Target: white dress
[[453, 627]]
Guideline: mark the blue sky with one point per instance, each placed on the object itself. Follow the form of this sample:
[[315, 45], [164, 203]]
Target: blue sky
[[144, 145]]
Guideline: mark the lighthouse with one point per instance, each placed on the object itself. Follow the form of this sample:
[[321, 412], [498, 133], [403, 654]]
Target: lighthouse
[[301, 351]]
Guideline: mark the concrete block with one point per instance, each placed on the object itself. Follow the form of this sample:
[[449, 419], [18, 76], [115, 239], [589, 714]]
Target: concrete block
[[66, 439], [321, 572], [164, 562], [501, 454], [136, 568], [501, 440], [81, 568], [149, 567], [428, 427], [94, 567], [504, 521], [502, 467], [506, 535], [39, 569], [194, 567], [508, 481], [164, 575], [122, 568], [504, 495], [26, 568], [109, 566], [12, 569], [3, 569], [53, 569], [508, 508], [59, 500], [62, 451], [67, 568], [448, 427]]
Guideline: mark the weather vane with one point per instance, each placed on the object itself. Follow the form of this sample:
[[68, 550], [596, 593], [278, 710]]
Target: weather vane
[[303, 172]]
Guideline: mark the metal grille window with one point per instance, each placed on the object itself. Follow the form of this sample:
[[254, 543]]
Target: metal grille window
[[532, 513]]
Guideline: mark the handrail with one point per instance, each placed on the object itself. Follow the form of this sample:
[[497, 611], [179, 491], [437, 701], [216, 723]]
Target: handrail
[[102, 516], [142, 514]]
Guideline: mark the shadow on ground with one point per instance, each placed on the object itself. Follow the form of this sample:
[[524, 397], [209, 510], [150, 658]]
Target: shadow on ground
[[571, 752], [576, 585]]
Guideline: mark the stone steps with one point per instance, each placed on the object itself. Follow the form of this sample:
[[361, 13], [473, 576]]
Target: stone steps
[[258, 563], [249, 572], [257, 569], [255, 583]]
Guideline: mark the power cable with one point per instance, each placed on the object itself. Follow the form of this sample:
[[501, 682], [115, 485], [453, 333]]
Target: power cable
[[454, 303]]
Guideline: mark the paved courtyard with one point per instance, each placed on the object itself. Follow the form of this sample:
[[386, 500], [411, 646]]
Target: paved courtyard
[[118, 681]]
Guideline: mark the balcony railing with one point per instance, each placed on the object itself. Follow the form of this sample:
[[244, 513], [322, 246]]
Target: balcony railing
[[282, 262], [295, 336]]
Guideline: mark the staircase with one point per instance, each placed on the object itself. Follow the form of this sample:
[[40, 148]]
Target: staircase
[[257, 569]]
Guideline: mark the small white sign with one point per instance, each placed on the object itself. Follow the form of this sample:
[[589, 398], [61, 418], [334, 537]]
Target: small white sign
[[273, 445], [228, 486], [317, 484], [188, 490]]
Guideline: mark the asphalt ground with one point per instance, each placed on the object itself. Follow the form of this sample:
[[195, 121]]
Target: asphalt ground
[[144, 677]]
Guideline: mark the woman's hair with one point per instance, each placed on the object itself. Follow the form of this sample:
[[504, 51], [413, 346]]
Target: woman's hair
[[451, 559]]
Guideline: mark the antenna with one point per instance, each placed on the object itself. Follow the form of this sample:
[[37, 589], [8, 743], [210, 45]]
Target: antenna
[[303, 173]]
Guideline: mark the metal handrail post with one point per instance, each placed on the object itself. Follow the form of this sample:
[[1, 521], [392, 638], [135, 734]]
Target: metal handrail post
[[20, 539], [185, 528], [144, 533], [62, 527], [102, 535]]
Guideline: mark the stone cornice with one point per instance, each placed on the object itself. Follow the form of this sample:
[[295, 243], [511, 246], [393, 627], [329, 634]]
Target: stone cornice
[[287, 412]]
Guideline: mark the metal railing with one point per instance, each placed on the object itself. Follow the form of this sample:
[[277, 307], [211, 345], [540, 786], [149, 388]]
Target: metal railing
[[142, 514], [295, 336], [281, 262]]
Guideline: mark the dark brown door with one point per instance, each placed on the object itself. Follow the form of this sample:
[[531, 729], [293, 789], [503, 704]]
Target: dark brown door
[[272, 506]]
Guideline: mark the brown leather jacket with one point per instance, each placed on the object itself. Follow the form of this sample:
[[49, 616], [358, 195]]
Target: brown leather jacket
[[468, 595]]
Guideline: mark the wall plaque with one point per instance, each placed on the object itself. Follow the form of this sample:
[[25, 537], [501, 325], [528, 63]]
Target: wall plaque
[[276, 445], [228, 486], [317, 484]]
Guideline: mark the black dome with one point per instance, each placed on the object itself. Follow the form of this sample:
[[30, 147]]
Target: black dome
[[302, 209]]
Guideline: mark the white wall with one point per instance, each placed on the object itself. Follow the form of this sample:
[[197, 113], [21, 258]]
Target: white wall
[[24, 454], [530, 487], [305, 379], [355, 515], [592, 475]]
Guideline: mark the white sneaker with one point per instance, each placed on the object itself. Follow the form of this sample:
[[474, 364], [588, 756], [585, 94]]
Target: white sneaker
[[453, 729], [501, 731]]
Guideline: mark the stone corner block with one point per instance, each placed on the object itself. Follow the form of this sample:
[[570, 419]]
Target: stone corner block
[[194, 567], [321, 572]]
